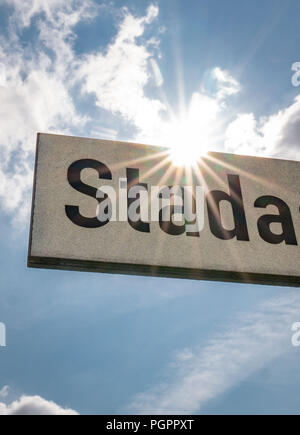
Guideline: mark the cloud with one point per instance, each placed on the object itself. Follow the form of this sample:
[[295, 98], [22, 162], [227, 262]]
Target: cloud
[[200, 125], [4, 392], [31, 405], [35, 92], [201, 374], [276, 135], [52, 10], [227, 85], [118, 76]]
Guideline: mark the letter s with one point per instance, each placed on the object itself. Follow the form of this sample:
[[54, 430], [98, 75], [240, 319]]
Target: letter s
[[74, 172]]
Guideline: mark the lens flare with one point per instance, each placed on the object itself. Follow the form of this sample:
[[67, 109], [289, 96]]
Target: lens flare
[[192, 135]]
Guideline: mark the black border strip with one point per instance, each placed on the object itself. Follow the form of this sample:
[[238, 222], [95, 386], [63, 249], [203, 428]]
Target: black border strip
[[162, 271]]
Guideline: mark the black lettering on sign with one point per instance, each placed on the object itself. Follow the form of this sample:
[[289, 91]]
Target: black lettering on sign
[[284, 218], [214, 198], [74, 178], [133, 180]]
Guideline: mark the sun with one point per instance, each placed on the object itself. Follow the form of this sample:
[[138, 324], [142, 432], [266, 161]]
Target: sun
[[187, 143], [193, 134], [187, 150]]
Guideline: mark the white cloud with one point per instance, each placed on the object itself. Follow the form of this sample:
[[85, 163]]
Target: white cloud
[[227, 85], [4, 392], [201, 374], [36, 93], [152, 12], [243, 135], [200, 126], [27, 9], [118, 76], [31, 405], [276, 135], [53, 10]]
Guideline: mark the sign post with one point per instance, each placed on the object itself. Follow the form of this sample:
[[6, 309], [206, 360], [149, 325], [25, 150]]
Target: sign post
[[115, 207]]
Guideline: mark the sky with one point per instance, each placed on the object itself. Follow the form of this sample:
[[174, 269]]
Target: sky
[[166, 72]]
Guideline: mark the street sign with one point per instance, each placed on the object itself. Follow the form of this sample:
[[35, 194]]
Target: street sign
[[106, 206]]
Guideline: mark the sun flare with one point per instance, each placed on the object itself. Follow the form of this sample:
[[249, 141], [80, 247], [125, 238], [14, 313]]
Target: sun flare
[[187, 148], [192, 135]]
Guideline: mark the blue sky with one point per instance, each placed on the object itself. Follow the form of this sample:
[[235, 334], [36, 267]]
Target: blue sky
[[143, 71]]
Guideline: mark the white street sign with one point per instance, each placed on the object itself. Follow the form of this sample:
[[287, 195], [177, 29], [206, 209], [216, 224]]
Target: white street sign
[[115, 207]]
